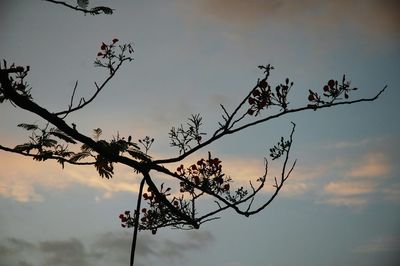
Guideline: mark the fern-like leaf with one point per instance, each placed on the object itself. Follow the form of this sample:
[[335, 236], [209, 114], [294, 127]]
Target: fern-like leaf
[[104, 168], [48, 142], [26, 147], [98, 9], [59, 134], [139, 155], [86, 148], [28, 126], [97, 133], [79, 156]]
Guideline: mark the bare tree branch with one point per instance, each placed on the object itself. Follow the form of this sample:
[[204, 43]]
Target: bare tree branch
[[83, 102]]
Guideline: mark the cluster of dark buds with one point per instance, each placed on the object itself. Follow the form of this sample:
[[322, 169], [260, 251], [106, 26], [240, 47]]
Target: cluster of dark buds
[[126, 219], [157, 214], [146, 143], [206, 174], [332, 91], [106, 50], [262, 96], [108, 56], [282, 91]]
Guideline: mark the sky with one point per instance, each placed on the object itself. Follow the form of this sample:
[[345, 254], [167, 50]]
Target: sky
[[340, 206]]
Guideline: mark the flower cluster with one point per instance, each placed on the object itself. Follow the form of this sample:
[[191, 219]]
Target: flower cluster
[[126, 219], [332, 90], [109, 57], [157, 214], [206, 174], [282, 91], [260, 98], [106, 50]]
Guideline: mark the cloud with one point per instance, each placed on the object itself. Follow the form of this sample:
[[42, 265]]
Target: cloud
[[358, 179], [193, 240], [116, 246], [344, 201], [349, 192], [22, 183], [351, 182], [327, 26], [380, 244], [349, 144], [350, 187], [110, 248], [68, 252], [370, 165], [392, 193], [16, 252], [372, 17]]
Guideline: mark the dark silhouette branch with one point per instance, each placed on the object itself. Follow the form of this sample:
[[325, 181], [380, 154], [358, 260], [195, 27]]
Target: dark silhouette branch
[[136, 222], [94, 11], [83, 102], [168, 204], [52, 157], [296, 110], [26, 104], [227, 128]]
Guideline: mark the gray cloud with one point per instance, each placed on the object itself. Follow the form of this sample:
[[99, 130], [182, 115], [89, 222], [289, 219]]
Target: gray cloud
[[110, 248], [24, 263], [69, 252], [15, 252], [372, 17], [151, 247], [193, 240], [381, 244], [20, 244]]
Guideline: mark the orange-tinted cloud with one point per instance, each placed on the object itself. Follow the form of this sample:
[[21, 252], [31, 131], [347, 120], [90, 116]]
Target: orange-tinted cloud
[[380, 244], [372, 164], [350, 187], [301, 181], [348, 192], [359, 178], [20, 178], [345, 201]]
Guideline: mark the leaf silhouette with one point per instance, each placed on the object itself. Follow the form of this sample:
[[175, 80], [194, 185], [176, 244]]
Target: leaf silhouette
[[28, 126], [79, 156], [63, 136]]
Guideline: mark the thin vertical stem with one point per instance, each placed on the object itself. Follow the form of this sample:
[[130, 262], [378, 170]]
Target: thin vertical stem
[[136, 223]]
